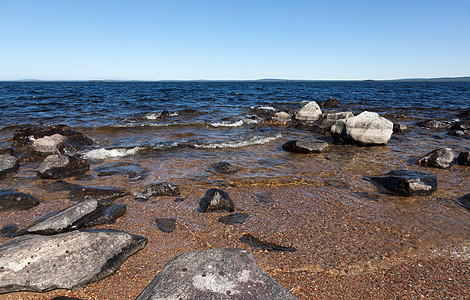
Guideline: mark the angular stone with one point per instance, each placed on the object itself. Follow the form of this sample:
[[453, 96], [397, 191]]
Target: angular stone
[[268, 246], [8, 164], [68, 219], [26, 135], [399, 128], [50, 144], [61, 166], [442, 158], [310, 112], [407, 183], [107, 216], [306, 145], [216, 200], [103, 194], [11, 200], [163, 189], [331, 103], [214, 274], [281, 117], [328, 119], [464, 158], [64, 261], [365, 129]]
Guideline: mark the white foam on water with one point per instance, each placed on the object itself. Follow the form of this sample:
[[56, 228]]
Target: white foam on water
[[264, 107], [109, 153], [235, 124], [232, 145]]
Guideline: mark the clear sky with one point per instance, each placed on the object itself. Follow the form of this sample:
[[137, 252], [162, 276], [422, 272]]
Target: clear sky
[[233, 39]]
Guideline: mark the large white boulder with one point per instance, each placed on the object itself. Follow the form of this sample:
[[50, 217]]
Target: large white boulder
[[309, 113]]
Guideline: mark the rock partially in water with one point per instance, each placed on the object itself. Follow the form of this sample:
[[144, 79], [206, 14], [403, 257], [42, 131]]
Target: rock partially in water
[[129, 170], [365, 129], [465, 201], [8, 230], [400, 128], [63, 261], [306, 145], [309, 113], [165, 224], [8, 164], [163, 189], [107, 216], [103, 194], [442, 158], [264, 198], [68, 219], [216, 200], [11, 200], [328, 119], [461, 128], [224, 167], [281, 117], [406, 183], [51, 144], [464, 158], [268, 246], [433, 124], [28, 134], [60, 185], [234, 218], [331, 103], [61, 166], [215, 274]]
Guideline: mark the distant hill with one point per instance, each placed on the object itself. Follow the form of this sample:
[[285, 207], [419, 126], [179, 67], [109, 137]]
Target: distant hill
[[440, 79]]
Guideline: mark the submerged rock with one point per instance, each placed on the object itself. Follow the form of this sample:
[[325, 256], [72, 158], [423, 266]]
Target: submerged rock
[[11, 200], [309, 113], [214, 274], [407, 183], [331, 103], [216, 200], [434, 124], [8, 230], [465, 201], [328, 119], [255, 242], [107, 216], [100, 193], [306, 145], [163, 189], [130, 170], [68, 219], [440, 158], [365, 129], [464, 158], [234, 218], [399, 128], [8, 164], [165, 224], [224, 167], [64, 261], [61, 166]]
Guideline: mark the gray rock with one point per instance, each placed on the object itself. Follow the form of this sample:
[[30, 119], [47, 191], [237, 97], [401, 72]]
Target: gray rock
[[71, 218], [105, 195], [309, 113], [26, 135], [224, 167], [365, 129], [214, 274], [107, 216], [464, 158], [434, 124], [399, 128], [163, 189], [233, 219], [8, 230], [165, 224], [130, 170], [8, 164], [328, 119], [465, 201], [306, 145], [281, 117], [64, 261], [61, 166], [406, 183], [11, 200], [50, 144], [442, 158], [216, 200], [331, 103]]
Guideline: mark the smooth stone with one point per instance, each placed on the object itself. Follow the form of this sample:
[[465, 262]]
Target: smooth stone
[[255, 242], [8, 164], [50, 144], [107, 216], [61, 166], [100, 193], [216, 200], [328, 119], [165, 224], [442, 158], [12, 200], [68, 219], [310, 112], [129, 170], [407, 182], [163, 189], [234, 218], [70, 260], [8, 230], [365, 129], [224, 167], [464, 158], [216, 274], [306, 145], [28, 134], [465, 201]]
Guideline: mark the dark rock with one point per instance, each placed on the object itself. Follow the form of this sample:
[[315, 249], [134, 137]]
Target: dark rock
[[216, 200], [331, 103], [141, 199], [442, 158], [433, 124], [163, 189], [461, 128], [100, 193], [399, 128], [365, 129], [60, 185], [165, 224], [178, 200], [61, 166], [26, 135], [215, 274], [8, 164], [465, 201], [306, 145], [328, 119], [107, 216], [234, 218], [129, 170], [11, 200], [464, 158], [255, 242], [68, 219], [407, 183], [6, 151], [224, 168], [264, 198], [63, 261], [66, 298], [8, 230]]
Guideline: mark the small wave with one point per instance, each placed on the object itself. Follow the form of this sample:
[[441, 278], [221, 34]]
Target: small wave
[[264, 108], [103, 153], [235, 124], [258, 140], [135, 125]]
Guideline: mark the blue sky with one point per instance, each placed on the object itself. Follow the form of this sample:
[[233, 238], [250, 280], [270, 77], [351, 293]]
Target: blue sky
[[175, 39]]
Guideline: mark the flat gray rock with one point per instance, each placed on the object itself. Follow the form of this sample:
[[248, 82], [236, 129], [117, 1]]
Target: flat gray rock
[[8, 164], [214, 274], [406, 183], [64, 261], [11, 200], [442, 158], [61, 166], [104, 194], [306, 145], [107, 216], [68, 219]]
